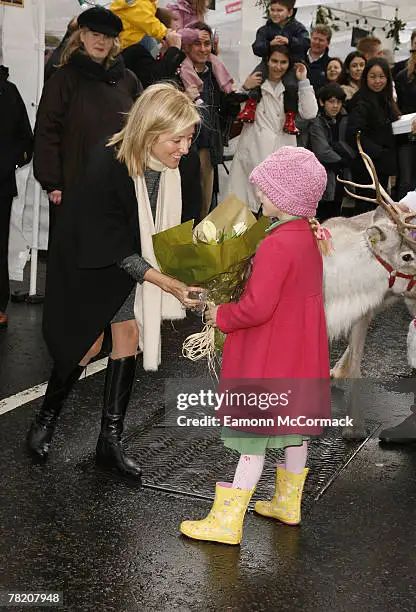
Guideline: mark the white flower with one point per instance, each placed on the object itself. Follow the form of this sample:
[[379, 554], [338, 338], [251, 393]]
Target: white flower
[[208, 231], [239, 228]]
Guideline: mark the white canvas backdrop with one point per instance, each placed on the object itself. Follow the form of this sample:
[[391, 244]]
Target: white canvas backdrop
[[22, 49]]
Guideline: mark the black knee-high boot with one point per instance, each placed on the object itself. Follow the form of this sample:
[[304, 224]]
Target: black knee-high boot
[[40, 434], [118, 385]]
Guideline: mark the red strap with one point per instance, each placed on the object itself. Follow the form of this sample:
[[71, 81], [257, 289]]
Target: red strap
[[393, 274]]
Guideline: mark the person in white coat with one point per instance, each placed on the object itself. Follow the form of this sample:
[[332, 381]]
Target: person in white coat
[[265, 135]]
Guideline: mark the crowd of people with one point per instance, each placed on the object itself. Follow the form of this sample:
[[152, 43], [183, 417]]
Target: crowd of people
[[123, 154]]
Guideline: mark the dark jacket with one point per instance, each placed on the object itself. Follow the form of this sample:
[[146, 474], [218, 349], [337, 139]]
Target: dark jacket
[[16, 138], [317, 70], [372, 116], [217, 113], [97, 229], [406, 93], [293, 30], [149, 70], [81, 104], [331, 150], [398, 67]]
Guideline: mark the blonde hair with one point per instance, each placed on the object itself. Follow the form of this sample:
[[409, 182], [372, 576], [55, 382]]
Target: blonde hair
[[75, 44], [200, 7], [161, 108], [324, 244]]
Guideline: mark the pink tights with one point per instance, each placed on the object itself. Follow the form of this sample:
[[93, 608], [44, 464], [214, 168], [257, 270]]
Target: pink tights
[[250, 467]]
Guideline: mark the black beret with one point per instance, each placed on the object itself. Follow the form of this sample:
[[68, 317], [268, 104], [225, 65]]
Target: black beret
[[100, 19]]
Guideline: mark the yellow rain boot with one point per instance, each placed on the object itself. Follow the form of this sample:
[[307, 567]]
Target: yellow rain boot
[[285, 503], [224, 522]]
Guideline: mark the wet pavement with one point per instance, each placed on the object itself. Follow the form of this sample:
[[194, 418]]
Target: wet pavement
[[110, 546]]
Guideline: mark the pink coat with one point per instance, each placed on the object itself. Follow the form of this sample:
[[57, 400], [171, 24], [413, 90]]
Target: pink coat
[[183, 14], [278, 328]]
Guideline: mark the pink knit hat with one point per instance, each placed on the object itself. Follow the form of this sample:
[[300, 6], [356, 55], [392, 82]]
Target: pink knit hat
[[293, 180]]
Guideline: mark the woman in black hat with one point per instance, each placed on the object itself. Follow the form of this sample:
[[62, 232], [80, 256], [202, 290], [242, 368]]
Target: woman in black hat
[[83, 103]]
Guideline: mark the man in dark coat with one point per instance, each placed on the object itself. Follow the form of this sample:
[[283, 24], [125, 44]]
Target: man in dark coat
[[16, 142], [317, 57], [218, 111]]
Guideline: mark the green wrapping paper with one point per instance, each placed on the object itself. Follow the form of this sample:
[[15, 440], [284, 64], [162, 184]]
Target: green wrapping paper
[[221, 267], [200, 263]]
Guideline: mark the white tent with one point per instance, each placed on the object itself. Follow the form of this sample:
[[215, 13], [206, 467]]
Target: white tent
[[22, 50]]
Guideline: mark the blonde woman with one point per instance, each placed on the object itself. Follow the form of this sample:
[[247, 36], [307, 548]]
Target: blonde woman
[[83, 103], [102, 269]]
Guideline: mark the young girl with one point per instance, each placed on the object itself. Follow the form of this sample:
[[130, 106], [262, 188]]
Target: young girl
[[184, 14], [276, 331], [267, 134]]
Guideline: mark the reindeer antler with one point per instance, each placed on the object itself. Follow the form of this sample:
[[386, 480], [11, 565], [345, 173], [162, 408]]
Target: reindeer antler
[[400, 217]]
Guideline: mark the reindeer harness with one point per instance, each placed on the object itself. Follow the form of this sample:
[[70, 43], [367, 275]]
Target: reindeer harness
[[404, 219], [393, 274]]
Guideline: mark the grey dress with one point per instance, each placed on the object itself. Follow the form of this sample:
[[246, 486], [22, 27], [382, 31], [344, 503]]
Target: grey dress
[[135, 265]]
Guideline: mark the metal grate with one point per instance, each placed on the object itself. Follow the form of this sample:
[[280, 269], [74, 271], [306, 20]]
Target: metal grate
[[190, 465]]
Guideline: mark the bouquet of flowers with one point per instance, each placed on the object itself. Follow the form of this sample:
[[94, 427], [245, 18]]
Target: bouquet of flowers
[[216, 255]]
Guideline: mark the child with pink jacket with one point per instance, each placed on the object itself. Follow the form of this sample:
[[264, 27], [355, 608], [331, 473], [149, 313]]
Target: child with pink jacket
[[276, 335]]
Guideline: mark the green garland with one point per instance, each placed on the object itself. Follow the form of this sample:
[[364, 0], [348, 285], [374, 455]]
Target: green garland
[[392, 28]]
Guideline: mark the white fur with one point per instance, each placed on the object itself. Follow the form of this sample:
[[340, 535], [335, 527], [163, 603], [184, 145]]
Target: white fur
[[356, 285], [411, 344], [354, 281]]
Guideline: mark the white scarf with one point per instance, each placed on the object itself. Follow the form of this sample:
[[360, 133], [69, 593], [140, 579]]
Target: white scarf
[[151, 304]]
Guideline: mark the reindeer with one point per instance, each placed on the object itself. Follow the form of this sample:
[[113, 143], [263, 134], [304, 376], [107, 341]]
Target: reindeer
[[373, 265]]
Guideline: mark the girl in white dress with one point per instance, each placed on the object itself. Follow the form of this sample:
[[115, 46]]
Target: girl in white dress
[[261, 138]]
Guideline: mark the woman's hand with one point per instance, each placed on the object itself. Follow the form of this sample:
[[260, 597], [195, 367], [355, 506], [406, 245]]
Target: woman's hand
[[173, 286], [301, 71], [253, 80], [55, 196], [211, 314], [413, 126], [182, 291]]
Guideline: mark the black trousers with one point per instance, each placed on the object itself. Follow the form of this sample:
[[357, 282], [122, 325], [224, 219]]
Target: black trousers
[[407, 168], [5, 210]]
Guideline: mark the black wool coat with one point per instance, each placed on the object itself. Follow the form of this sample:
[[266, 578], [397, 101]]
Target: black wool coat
[[16, 138], [371, 115], [98, 228], [317, 70], [82, 103], [217, 114], [85, 286], [406, 92]]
